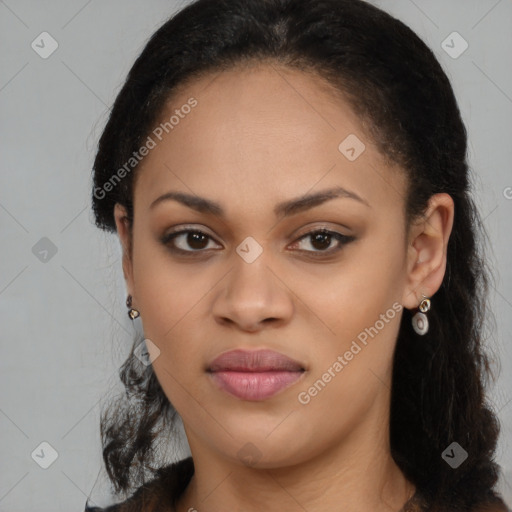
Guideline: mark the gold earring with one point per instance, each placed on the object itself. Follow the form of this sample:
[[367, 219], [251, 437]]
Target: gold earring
[[420, 320], [132, 313]]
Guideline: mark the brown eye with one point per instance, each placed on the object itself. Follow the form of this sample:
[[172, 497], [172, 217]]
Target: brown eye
[[196, 239], [193, 241], [187, 241], [322, 239]]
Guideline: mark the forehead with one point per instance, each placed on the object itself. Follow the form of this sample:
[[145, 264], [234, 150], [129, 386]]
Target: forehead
[[261, 131]]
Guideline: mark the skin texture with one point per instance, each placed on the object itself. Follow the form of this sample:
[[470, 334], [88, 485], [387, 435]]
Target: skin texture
[[258, 136]]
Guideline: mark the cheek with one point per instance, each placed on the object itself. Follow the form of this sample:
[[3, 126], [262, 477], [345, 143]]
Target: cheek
[[360, 310], [167, 291], [170, 297], [352, 295], [179, 363]]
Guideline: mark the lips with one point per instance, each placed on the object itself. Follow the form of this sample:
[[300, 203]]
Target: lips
[[255, 375], [254, 361]]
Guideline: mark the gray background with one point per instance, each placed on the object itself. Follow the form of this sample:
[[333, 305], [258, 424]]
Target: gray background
[[64, 325]]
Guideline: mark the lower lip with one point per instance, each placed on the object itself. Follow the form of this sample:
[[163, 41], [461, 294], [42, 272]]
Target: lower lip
[[254, 385]]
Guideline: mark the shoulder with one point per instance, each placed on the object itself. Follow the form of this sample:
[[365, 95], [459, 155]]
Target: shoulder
[[160, 493]]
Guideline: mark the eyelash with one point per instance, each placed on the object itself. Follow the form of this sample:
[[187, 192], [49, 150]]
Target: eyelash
[[342, 239]]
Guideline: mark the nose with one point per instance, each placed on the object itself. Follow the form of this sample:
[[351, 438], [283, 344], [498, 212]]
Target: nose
[[253, 296]]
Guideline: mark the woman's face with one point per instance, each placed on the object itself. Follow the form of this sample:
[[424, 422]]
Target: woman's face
[[254, 140]]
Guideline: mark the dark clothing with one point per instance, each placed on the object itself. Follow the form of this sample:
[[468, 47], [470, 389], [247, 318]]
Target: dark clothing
[[158, 495]]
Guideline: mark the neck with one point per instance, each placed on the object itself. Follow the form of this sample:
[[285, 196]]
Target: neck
[[356, 475]]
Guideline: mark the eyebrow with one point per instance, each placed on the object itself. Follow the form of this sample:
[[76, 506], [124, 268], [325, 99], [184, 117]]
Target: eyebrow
[[284, 209]]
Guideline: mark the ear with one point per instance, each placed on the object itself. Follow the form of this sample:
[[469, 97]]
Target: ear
[[427, 249], [125, 236]]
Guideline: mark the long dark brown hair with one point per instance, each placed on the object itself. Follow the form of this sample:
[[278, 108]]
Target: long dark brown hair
[[399, 90]]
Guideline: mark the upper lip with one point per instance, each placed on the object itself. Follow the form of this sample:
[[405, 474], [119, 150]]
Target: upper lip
[[254, 361]]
